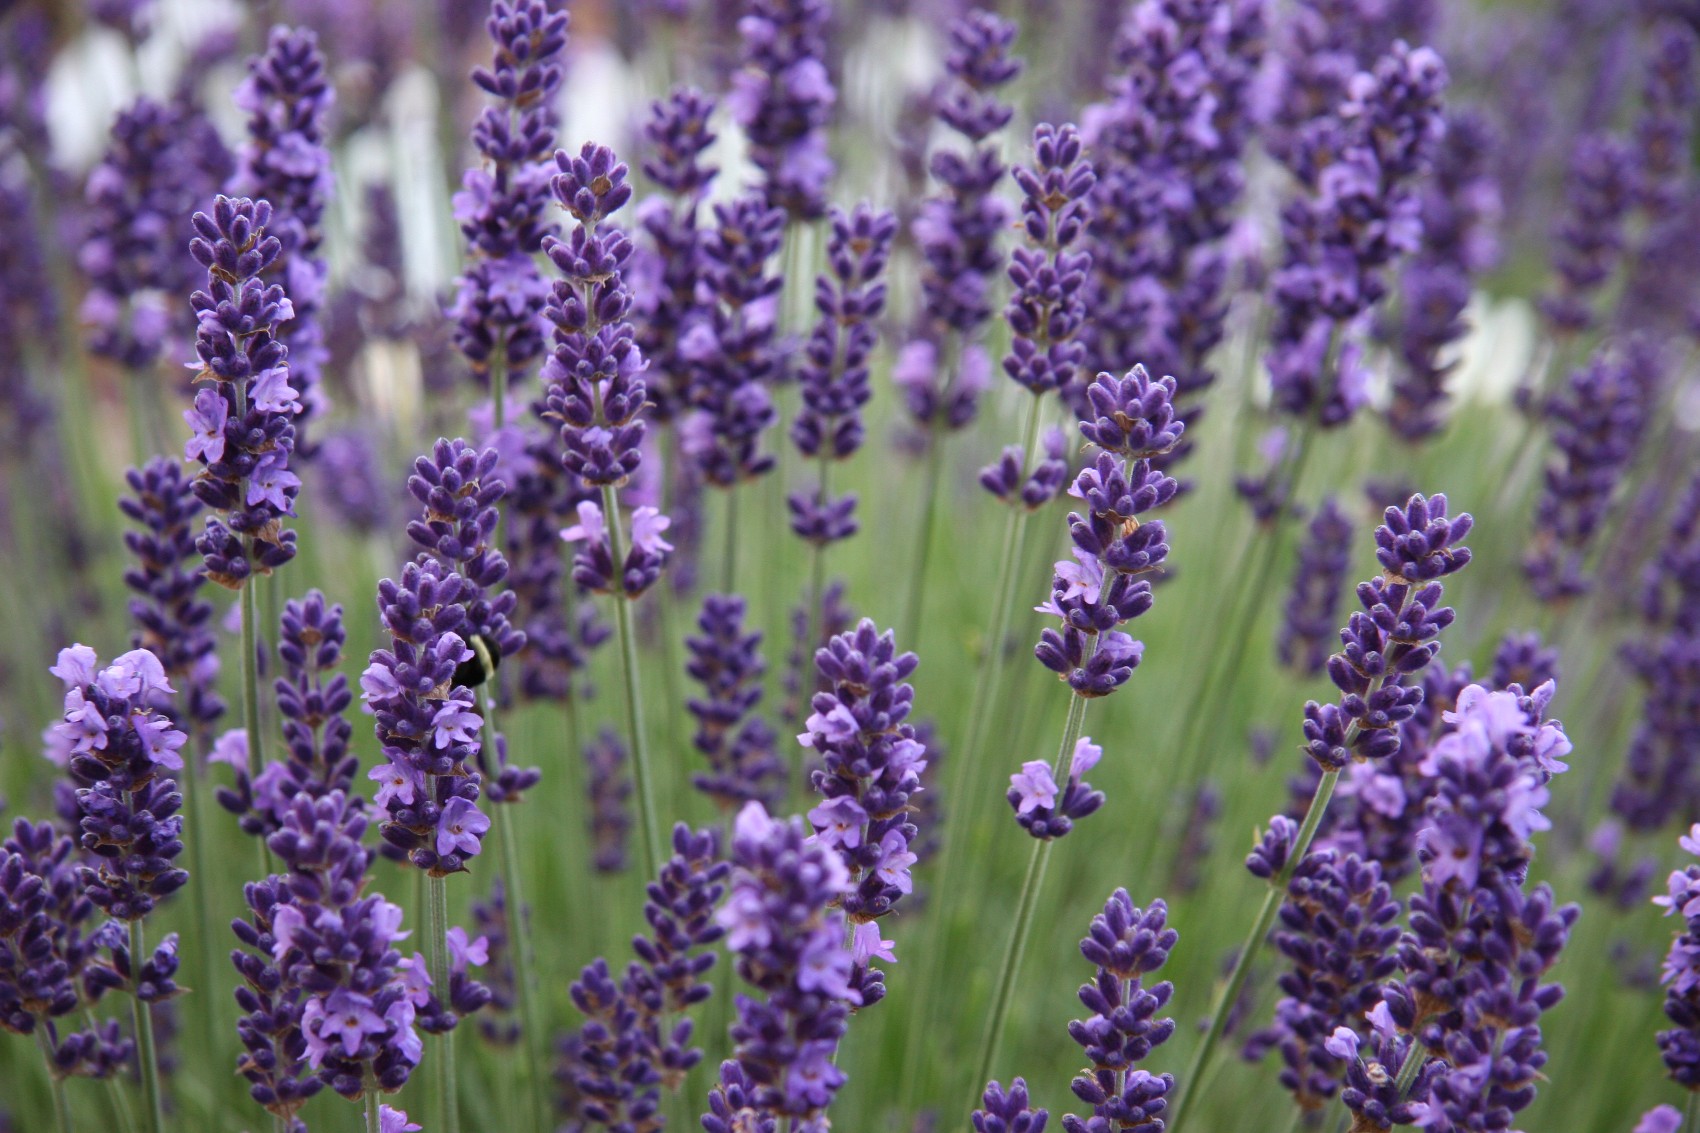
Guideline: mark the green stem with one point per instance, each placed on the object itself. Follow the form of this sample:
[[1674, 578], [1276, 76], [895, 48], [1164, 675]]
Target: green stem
[[817, 577], [923, 553], [1025, 904], [519, 940], [195, 797], [437, 959], [1691, 1123], [991, 673], [729, 561], [1415, 1056], [147, 1058], [61, 1105], [629, 669], [372, 1107], [1253, 941], [251, 695]]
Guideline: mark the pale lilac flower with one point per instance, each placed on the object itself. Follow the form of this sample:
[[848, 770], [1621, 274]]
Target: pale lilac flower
[[160, 740], [206, 427], [463, 953], [394, 782], [231, 748], [866, 945], [392, 1120], [271, 483], [647, 525], [76, 666], [455, 723], [590, 527], [825, 968], [273, 393], [837, 726], [1036, 786], [1085, 758], [839, 822], [1660, 1119], [462, 822], [1342, 1044]]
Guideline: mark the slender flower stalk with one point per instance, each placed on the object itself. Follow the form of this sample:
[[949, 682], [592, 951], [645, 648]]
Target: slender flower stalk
[[1046, 315], [1133, 422], [1391, 639], [596, 390]]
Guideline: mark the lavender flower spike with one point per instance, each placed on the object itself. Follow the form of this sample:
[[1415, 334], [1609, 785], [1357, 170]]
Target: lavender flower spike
[[288, 97], [789, 939], [834, 374], [242, 422], [739, 746], [1680, 1045], [783, 97], [1313, 604], [872, 769], [499, 299], [957, 231], [1127, 944]]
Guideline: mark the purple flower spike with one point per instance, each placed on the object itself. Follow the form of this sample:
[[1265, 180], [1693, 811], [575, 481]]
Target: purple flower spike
[[738, 744], [287, 96], [1168, 148], [1101, 589], [780, 921], [1590, 238], [1359, 168], [1337, 927], [783, 97], [53, 964], [1391, 639], [630, 1046], [1599, 420], [1480, 941], [834, 373], [1127, 944], [1313, 605], [594, 378], [327, 998], [312, 698], [1460, 211], [1008, 1112], [173, 621], [165, 161], [957, 231], [872, 764], [498, 304], [425, 718], [1048, 308], [734, 352], [671, 260], [117, 749], [244, 450]]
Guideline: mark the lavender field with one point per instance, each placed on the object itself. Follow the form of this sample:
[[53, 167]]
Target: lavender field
[[763, 565]]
